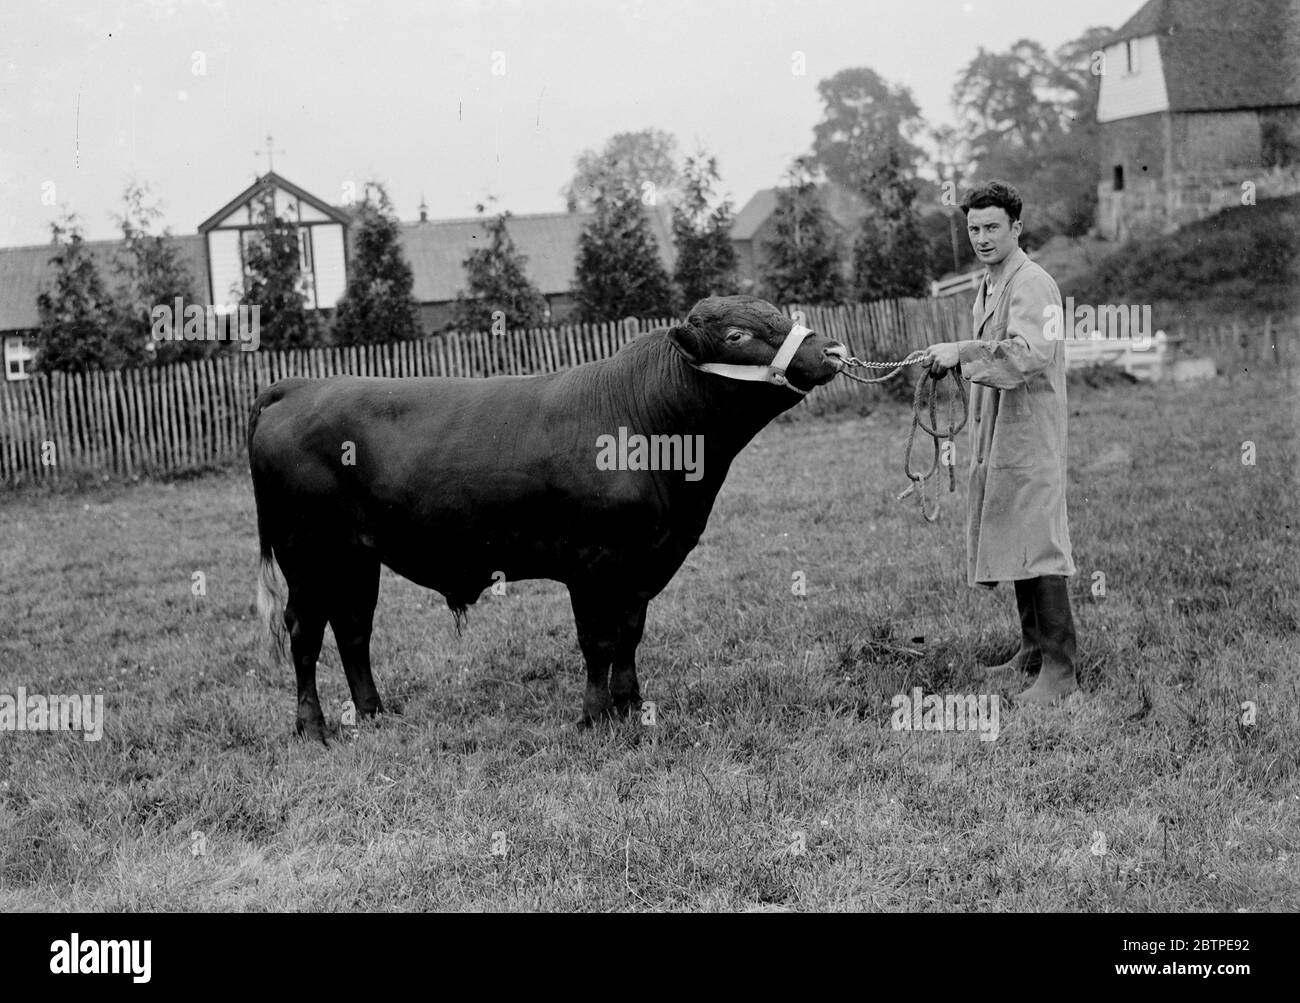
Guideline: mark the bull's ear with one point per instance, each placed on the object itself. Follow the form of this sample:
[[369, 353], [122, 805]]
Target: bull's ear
[[687, 340]]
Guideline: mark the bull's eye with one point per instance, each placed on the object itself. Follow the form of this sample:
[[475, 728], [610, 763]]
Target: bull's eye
[[735, 336]]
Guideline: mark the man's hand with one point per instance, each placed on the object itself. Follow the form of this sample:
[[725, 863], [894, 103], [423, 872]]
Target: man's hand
[[941, 357]]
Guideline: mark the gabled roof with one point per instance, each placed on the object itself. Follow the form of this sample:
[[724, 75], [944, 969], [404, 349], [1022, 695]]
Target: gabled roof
[[1220, 55], [844, 207], [436, 249], [26, 272], [273, 180], [753, 214]]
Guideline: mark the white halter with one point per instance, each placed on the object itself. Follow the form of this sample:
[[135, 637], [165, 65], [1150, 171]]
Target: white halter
[[771, 373]]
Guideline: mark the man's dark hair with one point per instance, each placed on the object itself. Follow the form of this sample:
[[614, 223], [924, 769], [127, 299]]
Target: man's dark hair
[[993, 195]]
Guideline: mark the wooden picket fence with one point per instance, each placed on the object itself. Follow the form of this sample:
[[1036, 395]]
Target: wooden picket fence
[[160, 420]]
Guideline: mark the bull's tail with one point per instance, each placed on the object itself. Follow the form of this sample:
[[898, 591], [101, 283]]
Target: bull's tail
[[270, 583], [270, 604]]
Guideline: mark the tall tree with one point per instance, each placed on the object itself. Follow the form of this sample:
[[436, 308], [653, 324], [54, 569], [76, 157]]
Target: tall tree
[[945, 226], [151, 273], [619, 273], [274, 280], [868, 128], [645, 161], [800, 261], [1031, 118], [1010, 99], [377, 305], [865, 142], [80, 326], [499, 292], [706, 259]]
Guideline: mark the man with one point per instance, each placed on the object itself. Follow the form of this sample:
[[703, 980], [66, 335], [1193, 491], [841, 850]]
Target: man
[[1016, 527]]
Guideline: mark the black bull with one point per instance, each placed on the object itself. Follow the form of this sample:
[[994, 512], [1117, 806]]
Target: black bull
[[457, 483]]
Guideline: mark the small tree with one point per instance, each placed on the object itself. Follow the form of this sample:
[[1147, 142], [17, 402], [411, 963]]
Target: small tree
[[80, 326], [619, 273], [891, 257], [377, 305], [500, 295], [706, 259], [274, 281], [150, 274], [801, 260]]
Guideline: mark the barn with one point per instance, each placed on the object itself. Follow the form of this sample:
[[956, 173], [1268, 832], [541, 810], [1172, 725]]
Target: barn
[[1198, 110]]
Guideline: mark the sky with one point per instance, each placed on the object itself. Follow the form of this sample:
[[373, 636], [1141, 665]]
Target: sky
[[449, 100]]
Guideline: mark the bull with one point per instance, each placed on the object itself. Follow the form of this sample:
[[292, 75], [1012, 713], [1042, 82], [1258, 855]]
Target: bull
[[458, 483]]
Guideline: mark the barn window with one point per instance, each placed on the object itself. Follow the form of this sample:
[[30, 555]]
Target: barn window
[[1131, 56], [1117, 179], [18, 358]]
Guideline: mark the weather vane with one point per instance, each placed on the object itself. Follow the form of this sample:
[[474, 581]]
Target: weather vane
[[270, 154]]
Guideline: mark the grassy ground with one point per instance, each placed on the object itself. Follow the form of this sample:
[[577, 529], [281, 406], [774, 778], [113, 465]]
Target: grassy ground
[[771, 778]]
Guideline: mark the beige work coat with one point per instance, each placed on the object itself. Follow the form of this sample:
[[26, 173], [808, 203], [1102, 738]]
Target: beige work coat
[[1016, 522]]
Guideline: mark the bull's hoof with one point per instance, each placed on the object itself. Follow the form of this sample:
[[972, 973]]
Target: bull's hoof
[[623, 706], [371, 710], [589, 720], [312, 729]]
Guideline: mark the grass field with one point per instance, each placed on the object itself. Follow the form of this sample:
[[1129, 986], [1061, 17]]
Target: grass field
[[771, 778]]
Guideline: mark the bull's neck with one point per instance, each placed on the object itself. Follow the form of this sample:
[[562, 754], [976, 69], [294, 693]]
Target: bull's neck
[[653, 390], [686, 401]]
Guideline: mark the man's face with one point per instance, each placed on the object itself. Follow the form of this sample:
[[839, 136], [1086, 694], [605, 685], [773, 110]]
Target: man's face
[[992, 234]]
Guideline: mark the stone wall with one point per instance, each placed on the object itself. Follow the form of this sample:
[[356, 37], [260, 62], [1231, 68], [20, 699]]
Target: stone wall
[[1179, 168]]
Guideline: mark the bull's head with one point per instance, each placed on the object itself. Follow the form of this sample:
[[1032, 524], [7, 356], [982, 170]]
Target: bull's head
[[746, 338]]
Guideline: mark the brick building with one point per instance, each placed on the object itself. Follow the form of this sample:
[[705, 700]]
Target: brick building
[[1199, 110]]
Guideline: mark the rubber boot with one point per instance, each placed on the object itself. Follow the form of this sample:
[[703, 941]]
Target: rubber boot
[[1029, 657], [1056, 677]]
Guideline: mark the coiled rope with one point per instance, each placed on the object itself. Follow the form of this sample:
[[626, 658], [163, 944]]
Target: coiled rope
[[932, 430]]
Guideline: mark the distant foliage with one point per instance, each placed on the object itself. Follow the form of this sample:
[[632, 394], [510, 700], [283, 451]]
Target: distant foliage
[[619, 273], [500, 296], [644, 161], [378, 305], [274, 281], [81, 326], [800, 262], [706, 259]]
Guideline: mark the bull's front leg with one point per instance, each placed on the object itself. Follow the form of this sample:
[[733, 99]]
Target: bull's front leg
[[609, 630], [624, 690]]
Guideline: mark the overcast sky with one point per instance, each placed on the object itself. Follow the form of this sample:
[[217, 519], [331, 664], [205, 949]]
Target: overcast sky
[[180, 94]]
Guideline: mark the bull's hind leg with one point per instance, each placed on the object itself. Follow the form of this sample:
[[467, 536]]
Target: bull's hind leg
[[352, 613], [304, 618]]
